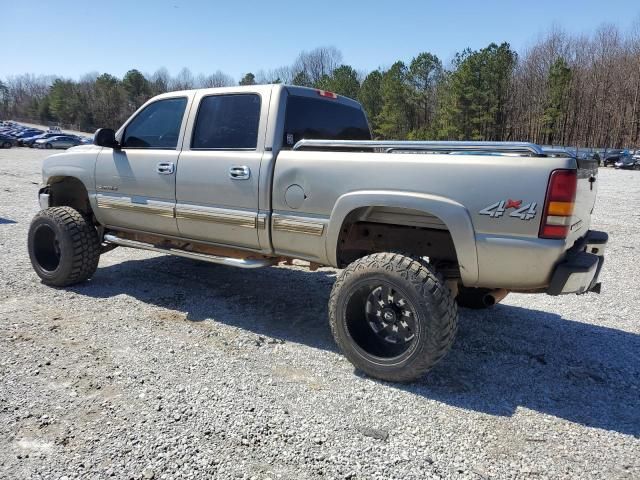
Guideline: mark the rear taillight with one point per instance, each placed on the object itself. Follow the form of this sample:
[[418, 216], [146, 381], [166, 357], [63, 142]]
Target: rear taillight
[[326, 94], [558, 206]]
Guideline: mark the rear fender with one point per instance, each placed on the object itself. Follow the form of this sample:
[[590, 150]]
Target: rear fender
[[454, 215]]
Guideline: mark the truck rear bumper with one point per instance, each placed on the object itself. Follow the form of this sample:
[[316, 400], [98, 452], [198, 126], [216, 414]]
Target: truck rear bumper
[[578, 272]]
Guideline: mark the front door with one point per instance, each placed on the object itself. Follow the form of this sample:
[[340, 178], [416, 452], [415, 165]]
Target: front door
[[136, 185], [218, 177]]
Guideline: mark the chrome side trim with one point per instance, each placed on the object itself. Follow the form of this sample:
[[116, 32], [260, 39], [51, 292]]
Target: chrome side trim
[[298, 226], [232, 262], [236, 219], [261, 221], [124, 203]]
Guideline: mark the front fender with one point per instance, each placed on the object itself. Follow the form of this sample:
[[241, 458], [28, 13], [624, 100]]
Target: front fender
[[78, 162], [454, 215]]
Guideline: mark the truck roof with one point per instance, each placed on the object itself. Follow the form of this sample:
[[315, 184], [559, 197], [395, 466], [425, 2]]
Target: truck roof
[[291, 90]]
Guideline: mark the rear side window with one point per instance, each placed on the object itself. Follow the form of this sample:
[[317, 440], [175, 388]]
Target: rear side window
[[313, 118], [157, 126], [227, 122]]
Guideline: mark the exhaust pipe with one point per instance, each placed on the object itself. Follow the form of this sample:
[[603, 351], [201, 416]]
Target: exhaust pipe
[[494, 296]]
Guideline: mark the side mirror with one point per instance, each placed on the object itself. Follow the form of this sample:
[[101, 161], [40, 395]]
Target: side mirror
[[106, 137]]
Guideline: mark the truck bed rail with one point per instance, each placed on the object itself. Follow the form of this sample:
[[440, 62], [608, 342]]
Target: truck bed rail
[[424, 146]]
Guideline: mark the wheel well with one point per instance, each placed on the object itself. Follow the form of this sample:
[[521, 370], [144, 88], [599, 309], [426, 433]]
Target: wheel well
[[69, 192], [390, 229]]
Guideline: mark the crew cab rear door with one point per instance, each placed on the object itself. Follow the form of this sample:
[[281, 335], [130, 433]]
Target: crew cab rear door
[[217, 183]]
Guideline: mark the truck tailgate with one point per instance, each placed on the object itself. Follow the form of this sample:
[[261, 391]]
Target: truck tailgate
[[585, 199]]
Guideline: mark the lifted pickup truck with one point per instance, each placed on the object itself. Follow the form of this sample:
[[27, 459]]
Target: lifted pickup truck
[[252, 176]]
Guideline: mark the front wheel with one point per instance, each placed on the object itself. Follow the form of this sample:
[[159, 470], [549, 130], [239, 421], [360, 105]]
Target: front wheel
[[63, 246], [47, 145], [6, 145], [392, 316]]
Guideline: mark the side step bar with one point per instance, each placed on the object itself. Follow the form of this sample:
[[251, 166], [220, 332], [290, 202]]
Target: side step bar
[[232, 262]]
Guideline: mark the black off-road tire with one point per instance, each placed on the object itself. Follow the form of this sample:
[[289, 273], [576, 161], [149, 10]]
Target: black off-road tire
[[427, 296], [64, 247]]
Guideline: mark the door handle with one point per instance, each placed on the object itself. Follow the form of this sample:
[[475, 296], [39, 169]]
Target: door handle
[[239, 172], [166, 168]]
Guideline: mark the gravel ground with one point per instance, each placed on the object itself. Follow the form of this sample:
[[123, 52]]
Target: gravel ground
[[161, 367]]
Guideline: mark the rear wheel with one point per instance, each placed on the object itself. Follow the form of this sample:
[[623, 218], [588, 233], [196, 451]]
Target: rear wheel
[[6, 145], [63, 246], [392, 316]]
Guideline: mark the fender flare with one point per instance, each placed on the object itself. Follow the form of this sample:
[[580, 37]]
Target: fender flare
[[52, 177], [454, 215]]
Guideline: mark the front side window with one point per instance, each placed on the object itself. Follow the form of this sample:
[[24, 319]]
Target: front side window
[[227, 122], [157, 126]]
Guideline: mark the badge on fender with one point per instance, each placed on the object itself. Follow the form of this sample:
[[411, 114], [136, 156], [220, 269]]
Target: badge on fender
[[523, 212]]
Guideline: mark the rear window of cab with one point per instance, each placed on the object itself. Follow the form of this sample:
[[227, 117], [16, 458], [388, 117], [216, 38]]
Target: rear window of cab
[[308, 118]]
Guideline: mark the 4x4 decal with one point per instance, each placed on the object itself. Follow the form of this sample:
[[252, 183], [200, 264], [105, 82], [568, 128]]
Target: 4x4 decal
[[523, 212]]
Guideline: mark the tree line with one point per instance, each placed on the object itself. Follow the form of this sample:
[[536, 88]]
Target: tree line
[[577, 90]]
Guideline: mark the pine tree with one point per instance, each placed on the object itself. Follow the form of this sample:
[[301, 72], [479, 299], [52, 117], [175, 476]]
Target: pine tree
[[343, 81], [370, 96], [555, 112], [248, 79], [392, 121]]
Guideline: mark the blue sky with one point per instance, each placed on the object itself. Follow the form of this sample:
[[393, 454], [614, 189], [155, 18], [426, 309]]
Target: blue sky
[[70, 38]]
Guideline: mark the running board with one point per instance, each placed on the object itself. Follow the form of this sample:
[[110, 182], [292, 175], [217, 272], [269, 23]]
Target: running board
[[231, 262]]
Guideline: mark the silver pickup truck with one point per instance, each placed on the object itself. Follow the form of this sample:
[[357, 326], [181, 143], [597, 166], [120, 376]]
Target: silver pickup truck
[[253, 176]]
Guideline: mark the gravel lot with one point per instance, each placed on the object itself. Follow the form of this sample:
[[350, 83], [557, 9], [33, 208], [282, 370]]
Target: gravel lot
[[162, 367]]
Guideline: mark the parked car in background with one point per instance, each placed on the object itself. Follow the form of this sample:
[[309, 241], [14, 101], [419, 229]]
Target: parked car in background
[[588, 154], [6, 141], [30, 132], [61, 141], [614, 155], [30, 141], [628, 162]]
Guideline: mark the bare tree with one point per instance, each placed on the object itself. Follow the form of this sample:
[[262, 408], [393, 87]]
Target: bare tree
[[277, 75], [160, 81], [217, 79], [317, 63], [183, 81]]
